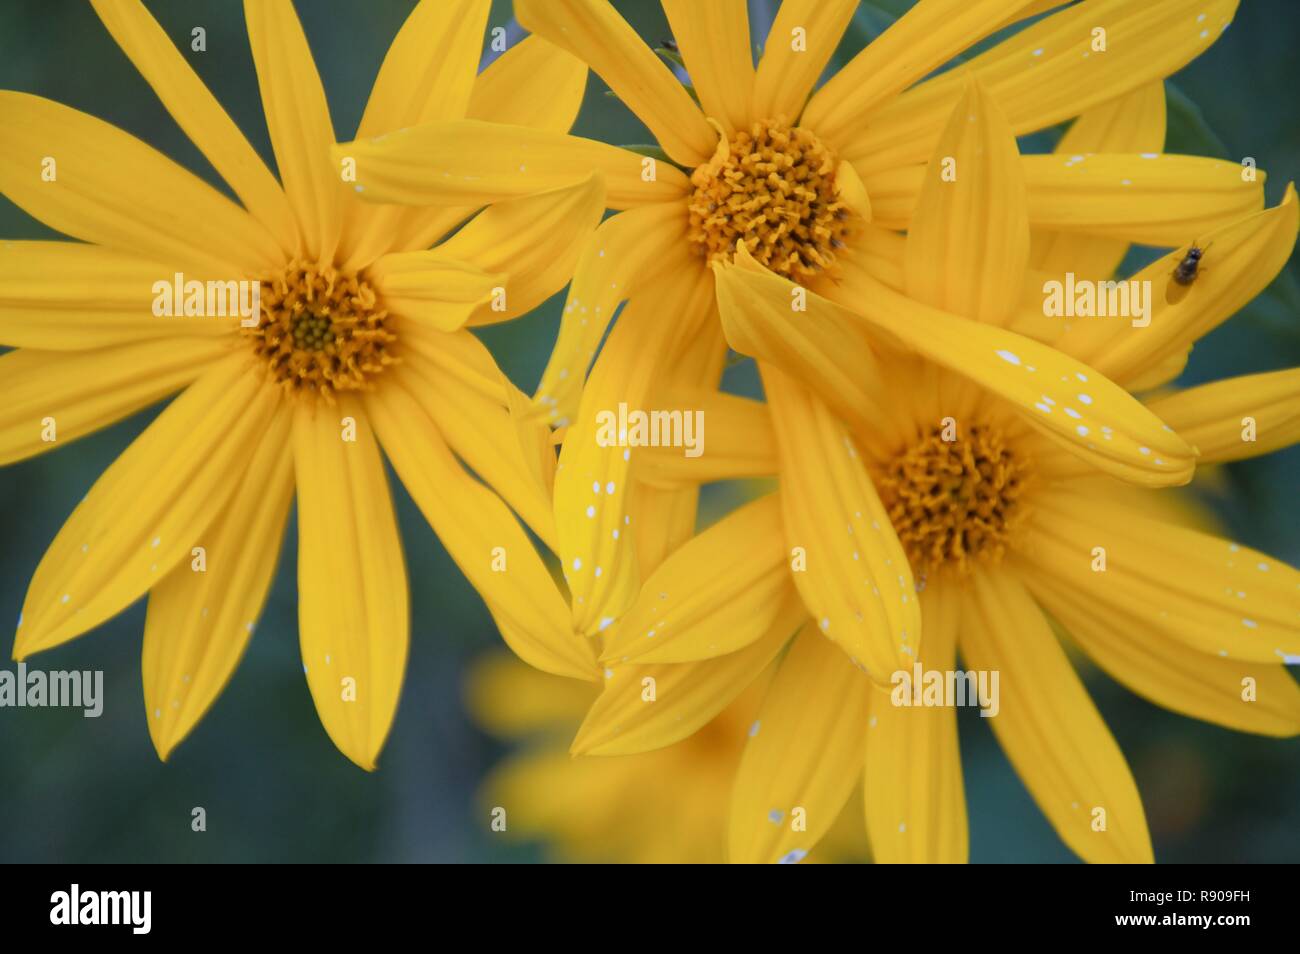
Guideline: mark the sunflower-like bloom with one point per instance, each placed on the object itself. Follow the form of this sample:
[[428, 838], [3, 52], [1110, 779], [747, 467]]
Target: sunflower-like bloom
[[811, 185], [1002, 524], [361, 341], [667, 806]]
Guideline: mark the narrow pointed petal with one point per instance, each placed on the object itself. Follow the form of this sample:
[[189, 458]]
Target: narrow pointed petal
[[149, 508], [1049, 72], [1246, 256], [1132, 123], [1049, 727], [687, 695], [298, 119], [592, 483], [804, 34], [197, 112], [353, 619], [814, 346], [428, 74], [469, 162], [630, 249], [857, 584], [716, 594], [479, 531], [111, 189], [534, 83], [914, 797], [968, 242], [1151, 199], [80, 392], [924, 38], [69, 296], [593, 31], [1236, 418], [1169, 673], [486, 436], [1209, 594], [803, 757], [534, 242], [715, 44], [200, 619]]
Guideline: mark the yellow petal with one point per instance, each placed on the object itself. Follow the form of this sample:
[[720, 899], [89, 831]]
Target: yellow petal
[[804, 34], [1057, 395], [534, 242], [968, 242], [149, 508], [1242, 258], [1245, 696], [855, 580], [1049, 728], [924, 38], [511, 699], [112, 189], [479, 532], [914, 799], [470, 162], [714, 40], [630, 249], [1049, 72], [534, 83], [484, 434], [197, 112], [430, 68], [1151, 199], [1209, 594], [761, 315], [740, 442], [201, 616], [803, 757], [716, 594], [593, 31], [353, 620], [1213, 417], [1132, 123], [298, 119], [72, 394], [433, 289], [592, 483], [428, 75], [69, 296], [687, 695]]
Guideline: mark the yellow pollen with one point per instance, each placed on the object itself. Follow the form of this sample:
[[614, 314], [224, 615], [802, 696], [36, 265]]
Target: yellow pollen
[[321, 331], [954, 501], [773, 188]]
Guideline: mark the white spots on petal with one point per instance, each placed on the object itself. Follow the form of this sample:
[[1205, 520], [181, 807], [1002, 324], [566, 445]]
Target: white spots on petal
[[1084, 398], [753, 729], [1150, 155], [1009, 357], [793, 856], [609, 488], [1038, 52], [595, 487], [605, 621], [1262, 567], [1144, 450], [775, 816], [1071, 412], [64, 599], [577, 563], [598, 571], [591, 510], [1083, 430], [1043, 407], [1250, 624], [825, 624]]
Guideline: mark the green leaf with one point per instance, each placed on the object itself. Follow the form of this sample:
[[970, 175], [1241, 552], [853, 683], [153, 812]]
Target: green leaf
[[1188, 132]]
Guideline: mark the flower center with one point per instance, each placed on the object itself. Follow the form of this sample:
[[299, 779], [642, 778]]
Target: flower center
[[773, 188], [953, 501], [322, 331]]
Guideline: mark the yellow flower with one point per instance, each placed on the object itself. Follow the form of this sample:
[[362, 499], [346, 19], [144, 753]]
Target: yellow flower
[[667, 806], [1002, 522], [812, 184], [361, 341]]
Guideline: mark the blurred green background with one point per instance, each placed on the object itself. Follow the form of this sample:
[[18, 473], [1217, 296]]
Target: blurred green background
[[273, 786]]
